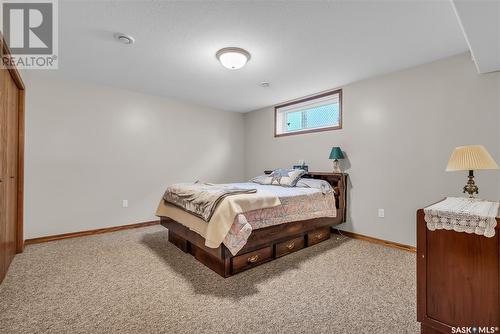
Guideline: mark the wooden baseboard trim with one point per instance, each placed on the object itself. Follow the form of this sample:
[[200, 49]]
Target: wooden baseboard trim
[[156, 222], [89, 232], [376, 241]]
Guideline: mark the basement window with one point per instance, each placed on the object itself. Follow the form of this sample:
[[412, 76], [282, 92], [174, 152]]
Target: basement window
[[320, 112]]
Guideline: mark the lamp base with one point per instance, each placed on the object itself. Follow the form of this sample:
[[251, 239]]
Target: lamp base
[[336, 166], [471, 187]]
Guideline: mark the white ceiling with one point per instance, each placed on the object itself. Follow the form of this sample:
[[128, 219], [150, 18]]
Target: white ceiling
[[480, 21], [299, 47]]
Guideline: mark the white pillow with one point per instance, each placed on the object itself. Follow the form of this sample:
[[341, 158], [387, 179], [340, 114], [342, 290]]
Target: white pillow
[[322, 185], [262, 179]]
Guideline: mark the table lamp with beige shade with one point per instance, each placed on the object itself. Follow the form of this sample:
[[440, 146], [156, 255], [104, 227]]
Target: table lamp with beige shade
[[472, 157]]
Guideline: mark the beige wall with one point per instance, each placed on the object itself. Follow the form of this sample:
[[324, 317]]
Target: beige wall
[[90, 147], [399, 131]]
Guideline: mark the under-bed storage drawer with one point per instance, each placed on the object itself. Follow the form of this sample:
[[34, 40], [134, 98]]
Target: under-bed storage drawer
[[289, 246], [318, 235], [251, 259]]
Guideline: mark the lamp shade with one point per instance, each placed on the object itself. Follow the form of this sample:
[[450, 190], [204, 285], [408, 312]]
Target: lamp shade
[[336, 153], [471, 157]]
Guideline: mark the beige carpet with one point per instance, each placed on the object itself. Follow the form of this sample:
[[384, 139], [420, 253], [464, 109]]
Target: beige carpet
[[136, 282]]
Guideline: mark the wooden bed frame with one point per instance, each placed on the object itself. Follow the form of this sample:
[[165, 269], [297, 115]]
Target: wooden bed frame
[[264, 244]]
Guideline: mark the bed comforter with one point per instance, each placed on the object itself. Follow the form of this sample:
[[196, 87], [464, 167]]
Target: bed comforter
[[237, 216]]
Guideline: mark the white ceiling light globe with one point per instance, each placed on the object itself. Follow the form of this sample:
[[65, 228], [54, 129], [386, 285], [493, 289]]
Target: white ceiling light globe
[[233, 58]]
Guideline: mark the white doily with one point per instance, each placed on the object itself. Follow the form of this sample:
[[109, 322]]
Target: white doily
[[463, 215]]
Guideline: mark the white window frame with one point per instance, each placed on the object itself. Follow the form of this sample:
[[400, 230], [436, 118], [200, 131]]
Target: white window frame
[[281, 111]]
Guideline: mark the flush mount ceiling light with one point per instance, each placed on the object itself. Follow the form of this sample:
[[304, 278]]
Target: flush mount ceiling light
[[124, 38], [233, 58]]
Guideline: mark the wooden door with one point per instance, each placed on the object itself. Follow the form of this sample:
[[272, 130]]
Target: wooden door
[[12, 95], [8, 189], [11, 162], [3, 171], [11, 166]]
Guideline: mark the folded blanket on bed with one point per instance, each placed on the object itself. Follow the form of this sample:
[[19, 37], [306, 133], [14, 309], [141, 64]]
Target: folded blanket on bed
[[199, 198], [219, 225]]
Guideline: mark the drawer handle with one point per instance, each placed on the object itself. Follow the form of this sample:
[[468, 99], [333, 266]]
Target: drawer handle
[[291, 245], [253, 259], [319, 235]]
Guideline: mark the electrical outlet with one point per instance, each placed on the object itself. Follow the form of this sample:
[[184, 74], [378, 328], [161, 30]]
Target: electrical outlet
[[125, 203], [381, 213]]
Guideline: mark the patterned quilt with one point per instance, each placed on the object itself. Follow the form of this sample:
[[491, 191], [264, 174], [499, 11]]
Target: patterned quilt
[[296, 204]]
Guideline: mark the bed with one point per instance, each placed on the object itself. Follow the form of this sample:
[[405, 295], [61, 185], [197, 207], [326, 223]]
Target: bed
[[265, 234]]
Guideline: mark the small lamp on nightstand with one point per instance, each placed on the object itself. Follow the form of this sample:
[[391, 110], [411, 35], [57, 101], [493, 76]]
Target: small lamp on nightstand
[[471, 158], [335, 155]]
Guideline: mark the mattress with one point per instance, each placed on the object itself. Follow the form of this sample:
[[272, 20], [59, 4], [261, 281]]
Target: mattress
[[297, 203]]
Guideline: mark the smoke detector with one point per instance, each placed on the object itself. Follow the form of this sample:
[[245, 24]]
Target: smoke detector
[[124, 38]]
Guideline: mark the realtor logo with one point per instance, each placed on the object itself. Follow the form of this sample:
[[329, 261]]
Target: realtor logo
[[30, 31]]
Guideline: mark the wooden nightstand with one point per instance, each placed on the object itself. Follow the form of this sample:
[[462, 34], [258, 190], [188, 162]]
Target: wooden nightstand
[[458, 280]]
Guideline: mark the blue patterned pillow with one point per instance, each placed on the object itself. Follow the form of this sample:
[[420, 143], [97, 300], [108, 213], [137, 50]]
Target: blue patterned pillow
[[281, 177]]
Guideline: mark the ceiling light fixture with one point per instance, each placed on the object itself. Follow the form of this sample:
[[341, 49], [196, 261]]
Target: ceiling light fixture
[[124, 38], [233, 58]]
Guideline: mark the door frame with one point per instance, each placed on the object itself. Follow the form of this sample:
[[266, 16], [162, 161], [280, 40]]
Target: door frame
[[14, 73]]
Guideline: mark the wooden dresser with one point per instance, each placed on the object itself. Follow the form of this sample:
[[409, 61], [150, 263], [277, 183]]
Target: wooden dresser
[[458, 280]]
